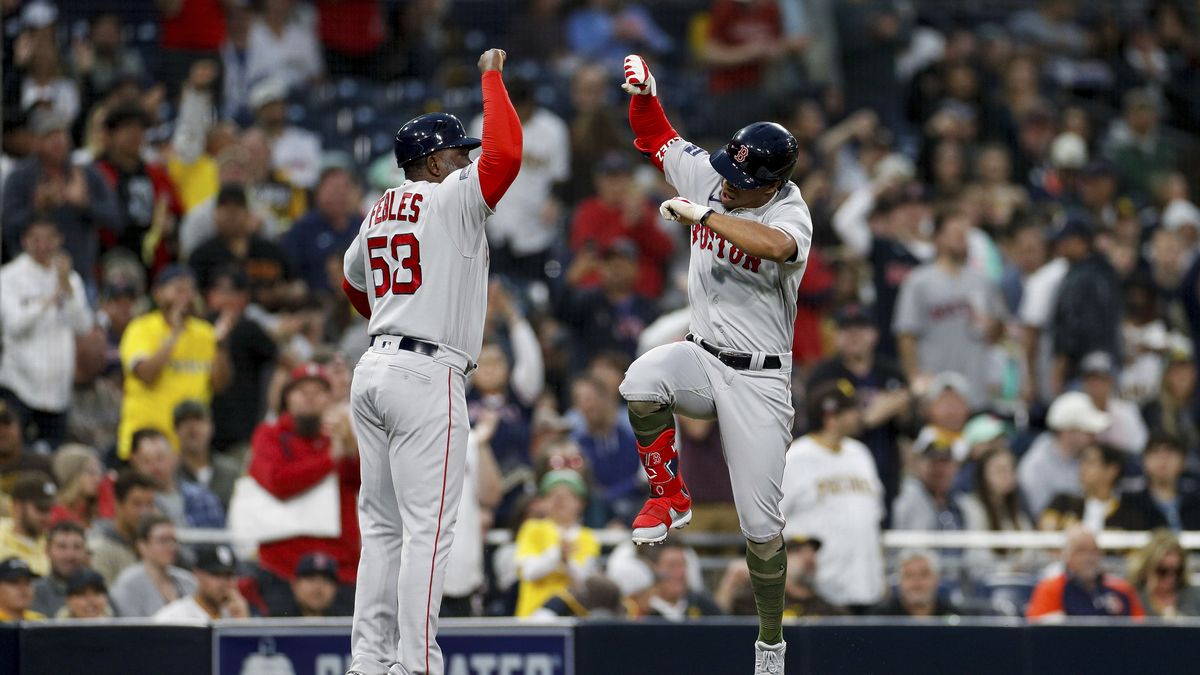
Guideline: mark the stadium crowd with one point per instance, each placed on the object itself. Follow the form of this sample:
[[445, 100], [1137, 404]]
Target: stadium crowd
[[997, 329]]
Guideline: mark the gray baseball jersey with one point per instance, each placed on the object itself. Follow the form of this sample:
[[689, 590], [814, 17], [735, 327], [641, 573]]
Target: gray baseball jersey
[[420, 251], [422, 259], [742, 303], [945, 312], [739, 301]]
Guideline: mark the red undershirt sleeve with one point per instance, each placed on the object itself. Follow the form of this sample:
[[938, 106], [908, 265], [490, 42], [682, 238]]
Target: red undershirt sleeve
[[500, 160], [358, 298], [649, 123]]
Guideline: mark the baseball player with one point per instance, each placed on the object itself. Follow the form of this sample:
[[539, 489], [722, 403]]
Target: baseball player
[[418, 271], [750, 235]]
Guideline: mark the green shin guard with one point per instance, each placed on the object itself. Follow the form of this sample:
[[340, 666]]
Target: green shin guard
[[768, 572], [649, 420]]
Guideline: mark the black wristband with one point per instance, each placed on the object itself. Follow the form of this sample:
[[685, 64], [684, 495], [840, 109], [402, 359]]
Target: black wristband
[[704, 218]]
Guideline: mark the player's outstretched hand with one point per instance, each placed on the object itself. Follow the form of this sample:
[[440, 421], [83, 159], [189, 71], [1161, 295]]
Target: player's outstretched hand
[[492, 59], [682, 211], [638, 80]]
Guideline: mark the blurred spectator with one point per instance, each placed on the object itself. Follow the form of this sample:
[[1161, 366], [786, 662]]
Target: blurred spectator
[[314, 588], [1137, 145], [87, 597], [169, 356], [1053, 26], [606, 30], [198, 139], [66, 548], [1168, 499], [871, 34], [291, 455], [882, 391], [554, 552], [671, 598], [535, 32], [1083, 589], [1051, 465], [197, 465], [1126, 430], [494, 403], [612, 316], [283, 44], [1159, 572], [352, 33], [595, 129], [294, 150], [885, 229], [80, 475], [620, 210], [76, 198], [46, 86], [17, 141], [112, 542], [252, 355], [528, 221], [745, 41], [15, 460], [801, 599], [713, 509], [216, 595], [610, 449], [1035, 314], [832, 491], [995, 505], [1087, 310], [235, 243], [44, 307], [947, 408], [190, 30], [1174, 411], [465, 579], [101, 58], [327, 229], [1100, 507], [146, 197], [946, 311], [635, 579], [274, 200], [16, 591], [926, 501], [596, 597], [919, 574], [980, 435], [187, 504], [141, 590], [235, 85], [24, 534]]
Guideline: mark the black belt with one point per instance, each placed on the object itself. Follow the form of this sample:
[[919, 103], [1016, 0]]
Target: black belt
[[409, 344], [735, 360]]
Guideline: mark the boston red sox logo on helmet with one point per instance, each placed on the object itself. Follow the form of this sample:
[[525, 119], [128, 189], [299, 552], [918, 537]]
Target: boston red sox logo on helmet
[[742, 154]]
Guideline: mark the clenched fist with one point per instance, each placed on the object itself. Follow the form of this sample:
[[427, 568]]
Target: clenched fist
[[683, 211], [638, 80], [492, 59]]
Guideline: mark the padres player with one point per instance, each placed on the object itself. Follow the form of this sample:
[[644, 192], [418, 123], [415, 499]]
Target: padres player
[[418, 270], [750, 234]]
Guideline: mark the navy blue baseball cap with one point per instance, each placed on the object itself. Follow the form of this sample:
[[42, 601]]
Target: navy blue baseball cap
[[1075, 224], [172, 272], [318, 564], [854, 314], [758, 155], [15, 569]]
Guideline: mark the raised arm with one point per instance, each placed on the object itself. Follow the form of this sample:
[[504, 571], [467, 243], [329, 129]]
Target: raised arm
[[500, 160], [646, 116]]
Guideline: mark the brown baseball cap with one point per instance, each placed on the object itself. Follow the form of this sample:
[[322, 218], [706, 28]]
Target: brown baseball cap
[[36, 487]]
